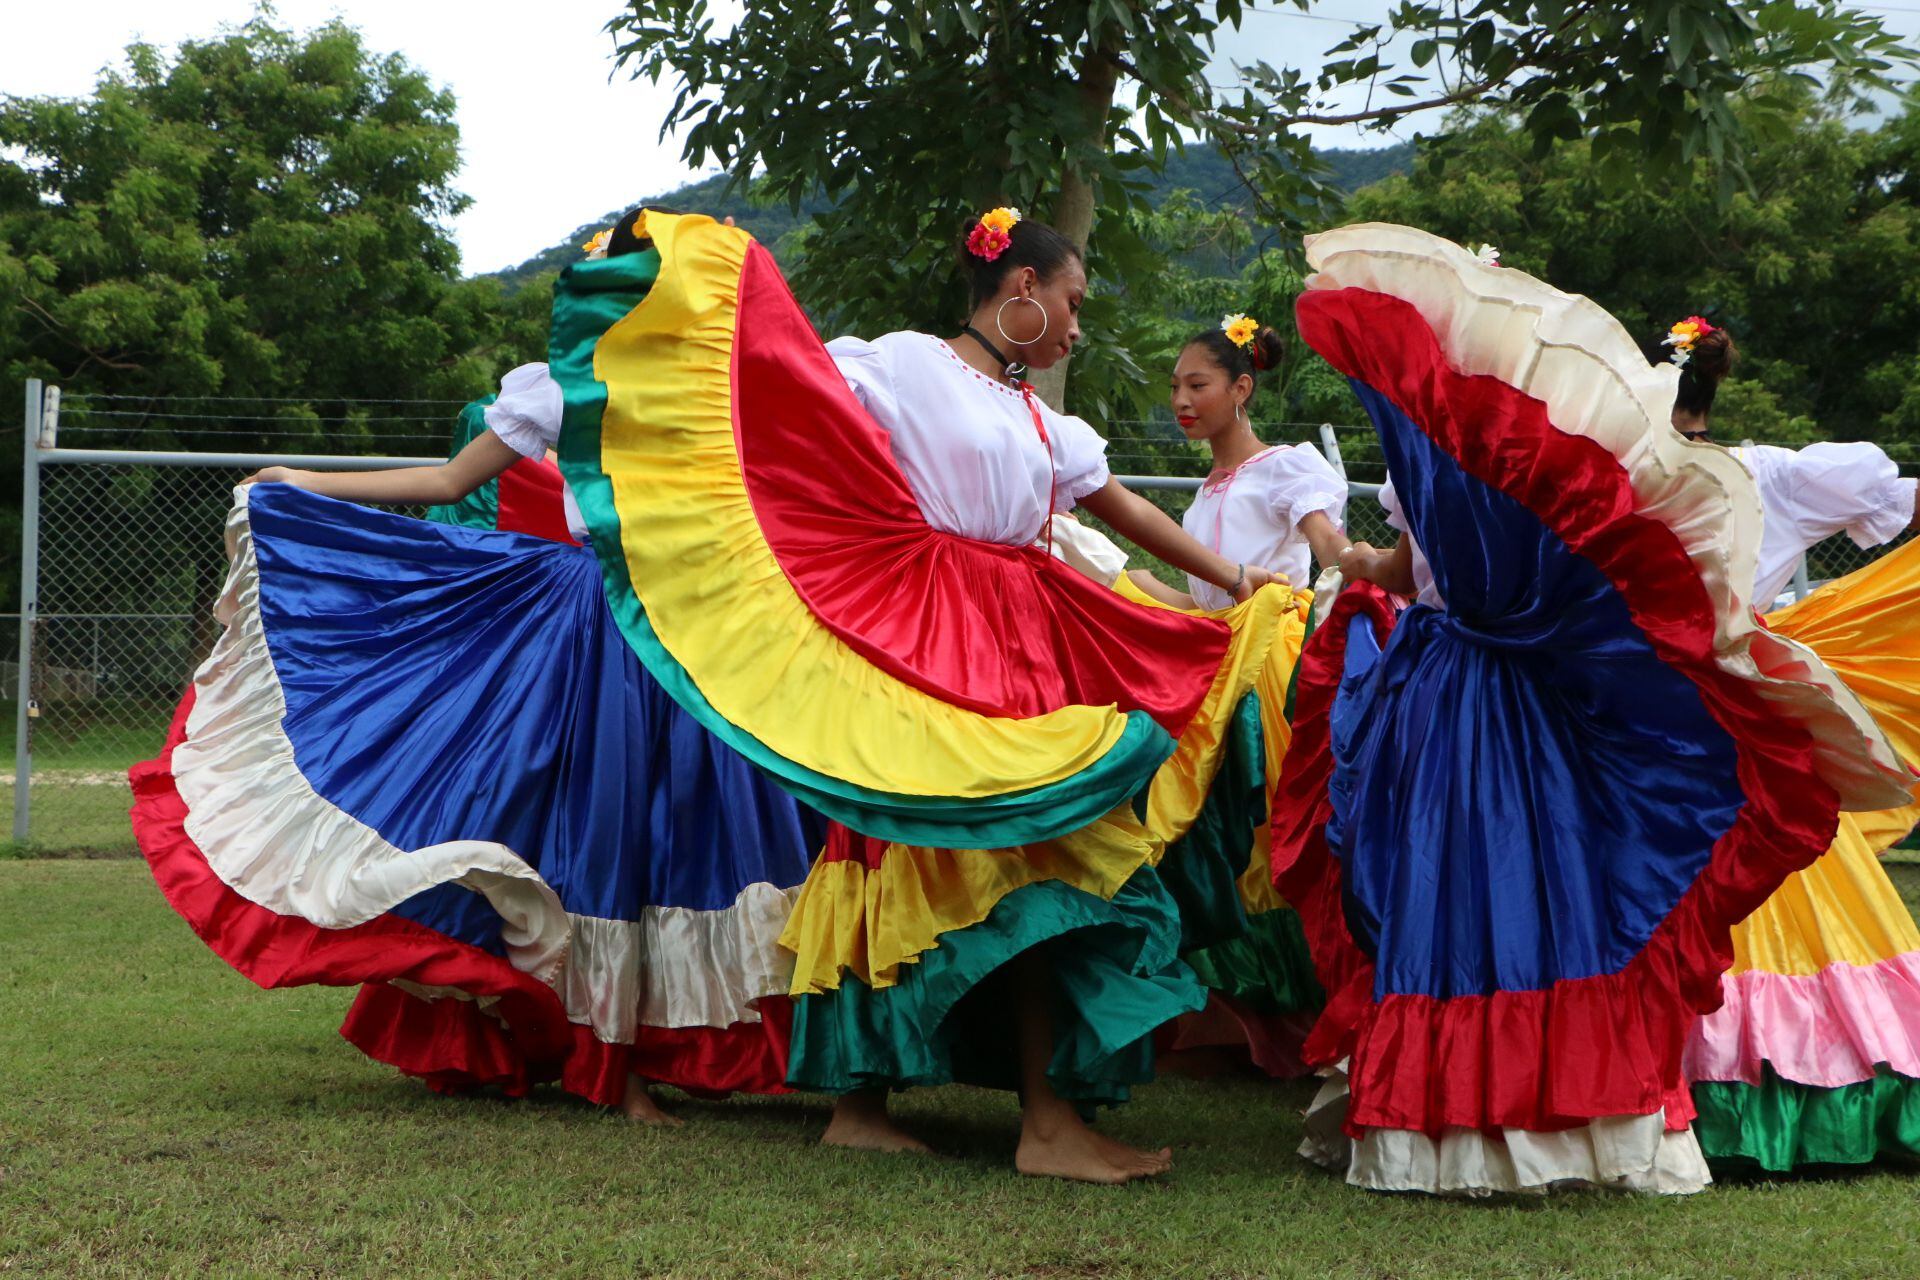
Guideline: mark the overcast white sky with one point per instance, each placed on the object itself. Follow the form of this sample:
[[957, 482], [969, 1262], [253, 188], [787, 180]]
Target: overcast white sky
[[549, 139]]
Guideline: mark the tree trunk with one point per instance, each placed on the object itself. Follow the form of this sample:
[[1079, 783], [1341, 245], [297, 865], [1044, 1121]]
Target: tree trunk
[[1073, 209]]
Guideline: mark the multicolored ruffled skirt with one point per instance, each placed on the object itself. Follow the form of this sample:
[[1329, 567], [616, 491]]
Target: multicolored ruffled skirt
[[1209, 805], [422, 758], [556, 804], [1520, 828], [1814, 1055]]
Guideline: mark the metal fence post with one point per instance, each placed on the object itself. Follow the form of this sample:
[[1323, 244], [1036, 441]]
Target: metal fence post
[[1331, 443], [29, 605], [1802, 586]]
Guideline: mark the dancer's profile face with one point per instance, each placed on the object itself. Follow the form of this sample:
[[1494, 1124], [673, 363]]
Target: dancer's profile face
[[1060, 295], [1205, 401]]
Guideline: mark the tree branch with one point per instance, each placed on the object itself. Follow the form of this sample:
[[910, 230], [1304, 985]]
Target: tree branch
[[1466, 93], [1533, 56], [58, 330]]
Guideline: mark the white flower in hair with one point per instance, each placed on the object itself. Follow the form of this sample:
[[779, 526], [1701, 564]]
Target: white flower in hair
[[1488, 254], [1683, 335]]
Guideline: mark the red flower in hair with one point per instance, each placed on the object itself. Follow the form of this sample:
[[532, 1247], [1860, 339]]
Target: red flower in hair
[[987, 242]]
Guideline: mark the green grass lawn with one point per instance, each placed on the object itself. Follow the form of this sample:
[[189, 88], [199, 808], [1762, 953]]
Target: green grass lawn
[[79, 798], [75, 815], [161, 1116]]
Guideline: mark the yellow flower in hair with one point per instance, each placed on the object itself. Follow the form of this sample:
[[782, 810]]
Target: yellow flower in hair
[[1239, 329], [1000, 220], [1683, 335], [640, 225], [597, 247]]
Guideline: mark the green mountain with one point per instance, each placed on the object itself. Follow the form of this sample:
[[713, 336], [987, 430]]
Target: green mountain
[[1199, 169]]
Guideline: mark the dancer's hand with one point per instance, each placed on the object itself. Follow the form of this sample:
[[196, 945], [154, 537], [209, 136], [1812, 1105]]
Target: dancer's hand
[[276, 475], [1256, 578], [1357, 560]]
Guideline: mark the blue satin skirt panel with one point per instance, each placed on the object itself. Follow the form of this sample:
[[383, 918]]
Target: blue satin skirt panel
[[446, 683], [1523, 790]]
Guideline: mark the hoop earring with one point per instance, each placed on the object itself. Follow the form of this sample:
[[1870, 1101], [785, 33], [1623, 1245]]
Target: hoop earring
[[1000, 324], [1240, 412]]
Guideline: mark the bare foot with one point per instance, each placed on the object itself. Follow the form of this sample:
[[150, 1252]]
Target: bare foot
[[1064, 1147], [639, 1105], [1153, 1161], [860, 1122]]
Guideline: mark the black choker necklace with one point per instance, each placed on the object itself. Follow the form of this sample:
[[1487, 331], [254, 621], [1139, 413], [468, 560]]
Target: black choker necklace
[[1008, 367]]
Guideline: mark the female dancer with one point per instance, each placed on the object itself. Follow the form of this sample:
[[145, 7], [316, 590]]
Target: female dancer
[[896, 942], [1519, 824], [1267, 504], [1274, 506], [1813, 1057], [660, 889]]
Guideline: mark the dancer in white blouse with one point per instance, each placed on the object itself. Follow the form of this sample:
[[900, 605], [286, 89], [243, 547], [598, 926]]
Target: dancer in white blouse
[[986, 458], [1811, 1057], [1270, 505], [1808, 494]]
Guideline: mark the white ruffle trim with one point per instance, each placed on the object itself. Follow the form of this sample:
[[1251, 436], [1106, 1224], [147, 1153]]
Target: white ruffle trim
[[279, 844], [273, 840], [673, 967], [1570, 354], [677, 967], [1615, 1153]]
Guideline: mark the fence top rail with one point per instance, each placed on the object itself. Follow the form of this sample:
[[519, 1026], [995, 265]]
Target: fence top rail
[[1190, 484], [296, 400], [345, 462], [179, 458]]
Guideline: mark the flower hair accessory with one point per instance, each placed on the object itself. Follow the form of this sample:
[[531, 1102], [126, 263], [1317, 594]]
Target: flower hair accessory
[[993, 234], [1239, 329], [1488, 254], [1682, 337], [597, 247]]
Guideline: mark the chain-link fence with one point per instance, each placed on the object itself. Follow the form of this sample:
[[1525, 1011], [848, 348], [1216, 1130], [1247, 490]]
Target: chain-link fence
[[122, 560], [130, 559]]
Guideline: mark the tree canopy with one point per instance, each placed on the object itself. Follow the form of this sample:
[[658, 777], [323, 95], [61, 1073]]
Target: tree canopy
[[912, 113], [1814, 268], [262, 214]]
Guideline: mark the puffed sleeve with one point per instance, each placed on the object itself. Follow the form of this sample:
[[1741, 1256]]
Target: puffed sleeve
[[864, 366], [1079, 459], [1855, 487], [1301, 482], [527, 413]]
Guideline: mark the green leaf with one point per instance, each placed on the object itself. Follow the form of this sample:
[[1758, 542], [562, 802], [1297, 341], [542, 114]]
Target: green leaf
[[1682, 28], [1716, 37]]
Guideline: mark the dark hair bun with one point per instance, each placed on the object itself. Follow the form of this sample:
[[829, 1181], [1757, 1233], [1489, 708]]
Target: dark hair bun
[[1266, 349], [626, 237], [1031, 243], [1713, 355]]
